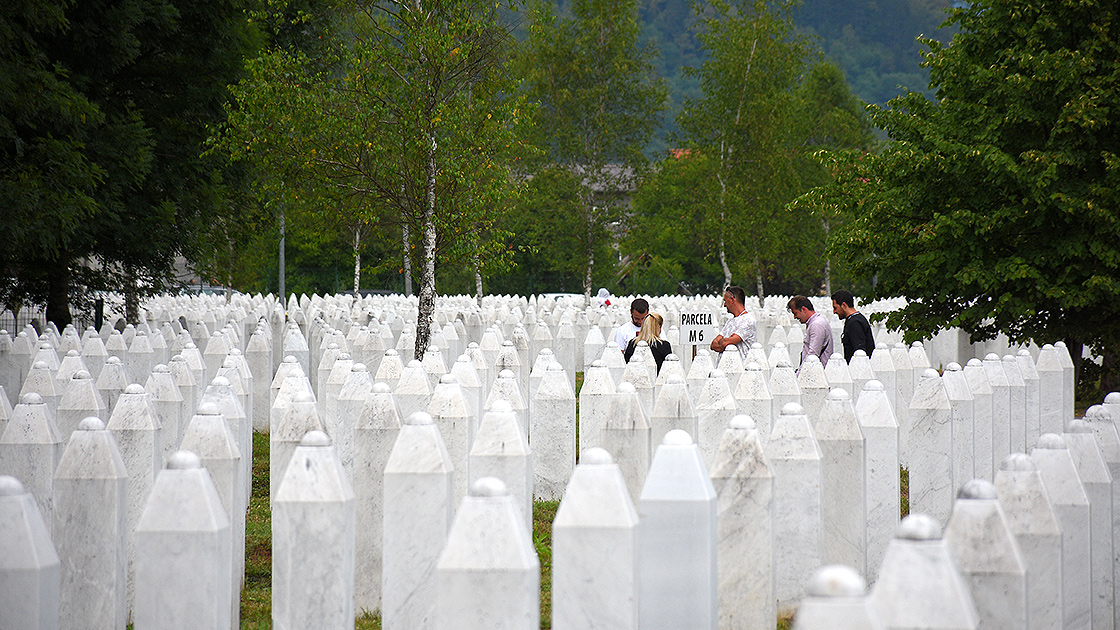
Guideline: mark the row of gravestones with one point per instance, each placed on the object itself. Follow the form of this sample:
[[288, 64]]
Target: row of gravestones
[[700, 550]]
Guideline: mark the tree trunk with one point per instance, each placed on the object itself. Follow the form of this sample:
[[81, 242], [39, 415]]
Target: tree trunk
[[282, 272], [407, 258], [131, 296], [357, 259], [590, 259], [477, 277], [427, 304], [758, 278], [827, 263], [58, 293], [722, 219]]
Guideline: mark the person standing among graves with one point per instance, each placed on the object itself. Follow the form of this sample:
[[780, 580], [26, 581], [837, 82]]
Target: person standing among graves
[[739, 331], [818, 334], [857, 330], [639, 310], [651, 334]]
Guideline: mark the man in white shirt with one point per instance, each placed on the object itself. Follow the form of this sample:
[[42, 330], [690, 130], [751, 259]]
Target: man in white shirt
[[739, 331], [639, 310]]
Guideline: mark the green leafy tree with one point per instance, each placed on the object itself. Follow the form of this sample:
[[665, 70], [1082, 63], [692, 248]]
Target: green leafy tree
[[745, 123], [599, 105], [995, 207]]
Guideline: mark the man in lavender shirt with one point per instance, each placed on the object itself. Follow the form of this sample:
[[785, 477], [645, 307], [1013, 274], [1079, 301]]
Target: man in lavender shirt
[[818, 334]]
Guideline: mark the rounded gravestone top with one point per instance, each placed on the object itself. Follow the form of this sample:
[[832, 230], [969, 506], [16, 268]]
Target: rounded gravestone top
[[1078, 426], [672, 357], [1112, 398], [1017, 462], [381, 387], [839, 394], [717, 373], [208, 409], [779, 345], [332, 346], [183, 460], [930, 373], [73, 353], [1051, 441], [134, 388], [11, 487], [626, 387], [415, 363], [179, 358], [45, 345], [874, 386], [420, 418], [82, 375], [756, 345], [674, 379], [677, 437], [315, 438], [489, 487], [1097, 413], [743, 422], [509, 342], [753, 366], [344, 356], [220, 381], [977, 489], [919, 527], [612, 344], [1048, 346], [953, 367], [31, 398], [470, 346], [792, 409], [391, 352], [916, 344], [1009, 358], [190, 346], [91, 423], [974, 362], [501, 405], [547, 352], [641, 344], [359, 367], [837, 580], [235, 352], [812, 358], [506, 374], [161, 368], [448, 379], [40, 365], [859, 353], [1059, 344], [113, 361], [1023, 353], [991, 356], [596, 456], [597, 363], [782, 363]]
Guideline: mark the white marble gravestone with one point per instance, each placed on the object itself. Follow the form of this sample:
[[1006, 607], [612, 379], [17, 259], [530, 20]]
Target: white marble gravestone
[[860, 369], [183, 552], [982, 423], [988, 557], [1051, 390], [744, 485], [919, 585], [1098, 482], [30, 573], [880, 431], [90, 525], [1001, 407], [500, 450], [449, 409], [677, 573], [313, 540], [552, 433], [752, 397], [672, 410], [1109, 441], [595, 549], [299, 417], [1017, 396], [594, 401], [714, 409], [964, 422], [30, 450], [1031, 517], [931, 444], [1067, 494], [843, 482], [882, 367], [795, 458], [488, 573], [1033, 403], [626, 435], [418, 508], [783, 385], [836, 599]]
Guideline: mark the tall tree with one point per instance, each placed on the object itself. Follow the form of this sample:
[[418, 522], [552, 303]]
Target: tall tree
[[745, 122], [599, 105], [995, 208]]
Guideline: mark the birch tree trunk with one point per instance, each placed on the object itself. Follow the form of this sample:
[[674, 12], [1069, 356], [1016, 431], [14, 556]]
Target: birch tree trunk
[[827, 262], [722, 249], [758, 277], [477, 260], [590, 255], [357, 259], [427, 301], [406, 258]]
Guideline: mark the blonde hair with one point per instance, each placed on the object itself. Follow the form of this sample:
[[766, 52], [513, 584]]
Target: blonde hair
[[651, 329]]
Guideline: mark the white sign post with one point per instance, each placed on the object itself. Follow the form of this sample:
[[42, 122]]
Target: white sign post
[[698, 329]]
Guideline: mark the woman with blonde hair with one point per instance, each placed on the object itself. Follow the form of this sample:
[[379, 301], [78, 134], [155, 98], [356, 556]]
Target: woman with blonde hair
[[651, 334]]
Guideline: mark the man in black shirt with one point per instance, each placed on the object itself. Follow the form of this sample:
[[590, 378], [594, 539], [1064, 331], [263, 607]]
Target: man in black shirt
[[857, 330]]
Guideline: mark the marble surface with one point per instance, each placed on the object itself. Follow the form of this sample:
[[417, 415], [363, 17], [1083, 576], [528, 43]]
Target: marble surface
[[795, 458], [183, 552], [1001, 407], [880, 431], [783, 385], [595, 549], [1051, 390], [30, 572], [299, 417], [860, 369], [488, 574], [90, 529], [672, 410], [678, 539], [1098, 482], [931, 443], [752, 397], [626, 436], [836, 600], [30, 450], [80, 400], [552, 434], [449, 408], [983, 451], [1031, 517], [413, 391], [1067, 494], [987, 554], [964, 423], [905, 380], [919, 585], [1108, 439], [418, 509], [1031, 392], [594, 401], [500, 450], [352, 396], [714, 409], [744, 485], [1017, 395], [882, 367], [313, 540], [843, 483], [167, 404], [814, 387]]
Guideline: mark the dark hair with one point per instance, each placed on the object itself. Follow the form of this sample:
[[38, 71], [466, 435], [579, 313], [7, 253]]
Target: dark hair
[[738, 293], [640, 305], [799, 302], [844, 296]]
